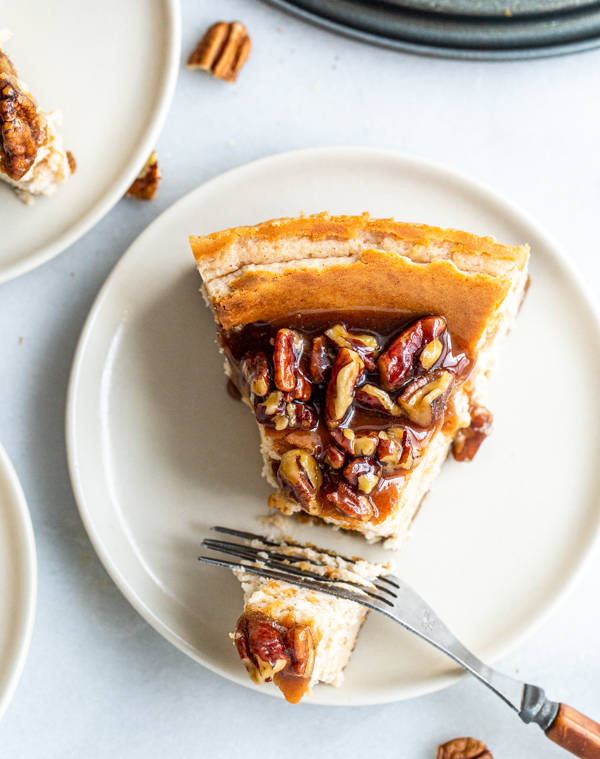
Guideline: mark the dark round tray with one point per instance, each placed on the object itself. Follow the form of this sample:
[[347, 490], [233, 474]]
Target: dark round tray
[[477, 29]]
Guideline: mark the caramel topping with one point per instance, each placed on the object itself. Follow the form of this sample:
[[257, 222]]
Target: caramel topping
[[20, 132], [366, 389]]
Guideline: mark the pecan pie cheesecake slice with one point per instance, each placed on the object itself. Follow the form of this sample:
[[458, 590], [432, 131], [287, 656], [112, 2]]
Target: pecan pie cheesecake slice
[[364, 348], [33, 159], [296, 637]]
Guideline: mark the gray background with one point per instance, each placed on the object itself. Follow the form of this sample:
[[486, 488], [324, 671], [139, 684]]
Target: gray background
[[99, 682]]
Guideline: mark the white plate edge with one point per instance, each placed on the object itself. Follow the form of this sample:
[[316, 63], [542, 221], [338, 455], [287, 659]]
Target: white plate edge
[[30, 570], [491, 195], [111, 198]]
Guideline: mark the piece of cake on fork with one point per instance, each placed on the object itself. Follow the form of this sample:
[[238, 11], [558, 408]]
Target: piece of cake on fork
[[33, 159], [363, 347], [296, 637]]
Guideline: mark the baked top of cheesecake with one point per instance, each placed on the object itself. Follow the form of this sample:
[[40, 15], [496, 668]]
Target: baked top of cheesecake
[[265, 272], [33, 159], [364, 347]]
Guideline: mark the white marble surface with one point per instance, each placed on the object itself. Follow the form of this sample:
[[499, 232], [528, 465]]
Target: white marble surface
[[99, 682]]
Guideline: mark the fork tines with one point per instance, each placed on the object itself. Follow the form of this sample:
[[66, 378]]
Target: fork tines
[[272, 564]]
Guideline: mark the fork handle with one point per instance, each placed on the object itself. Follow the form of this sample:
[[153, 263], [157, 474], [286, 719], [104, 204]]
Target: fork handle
[[577, 733]]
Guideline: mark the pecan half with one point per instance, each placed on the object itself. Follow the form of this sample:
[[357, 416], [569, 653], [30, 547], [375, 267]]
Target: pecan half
[[300, 476], [347, 371], [424, 399], [320, 362], [363, 474], [260, 646], [287, 359], [400, 360], [145, 186], [350, 504], [20, 132], [300, 647], [366, 346], [375, 398], [256, 371], [222, 51], [463, 748], [467, 441]]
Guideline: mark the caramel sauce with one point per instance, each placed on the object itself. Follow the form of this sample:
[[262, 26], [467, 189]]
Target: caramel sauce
[[383, 324], [292, 686]]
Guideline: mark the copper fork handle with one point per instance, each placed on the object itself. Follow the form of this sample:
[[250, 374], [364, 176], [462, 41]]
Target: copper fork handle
[[577, 733]]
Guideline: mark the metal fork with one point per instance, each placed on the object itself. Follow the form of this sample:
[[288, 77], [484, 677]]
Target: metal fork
[[398, 601]]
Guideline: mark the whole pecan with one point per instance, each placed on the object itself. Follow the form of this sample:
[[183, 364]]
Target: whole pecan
[[400, 361], [350, 504], [347, 371], [463, 748], [320, 362], [467, 441], [424, 399], [260, 646], [363, 474], [222, 51], [366, 346], [20, 132], [299, 475], [255, 369], [289, 375]]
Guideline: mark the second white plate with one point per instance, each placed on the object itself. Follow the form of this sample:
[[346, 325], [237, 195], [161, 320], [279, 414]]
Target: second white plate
[[18, 580], [110, 66], [159, 452]]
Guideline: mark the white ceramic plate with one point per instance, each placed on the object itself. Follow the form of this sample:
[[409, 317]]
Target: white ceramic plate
[[18, 580], [159, 452], [110, 66]]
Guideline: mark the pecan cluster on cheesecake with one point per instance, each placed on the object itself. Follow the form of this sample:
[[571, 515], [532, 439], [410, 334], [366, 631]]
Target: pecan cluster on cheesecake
[[33, 159], [296, 637], [363, 347]]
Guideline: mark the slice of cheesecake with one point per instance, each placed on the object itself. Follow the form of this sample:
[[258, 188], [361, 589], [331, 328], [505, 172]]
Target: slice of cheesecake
[[364, 347], [33, 159], [296, 637]]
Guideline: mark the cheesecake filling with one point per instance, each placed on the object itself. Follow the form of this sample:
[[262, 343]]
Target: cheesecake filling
[[349, 401]]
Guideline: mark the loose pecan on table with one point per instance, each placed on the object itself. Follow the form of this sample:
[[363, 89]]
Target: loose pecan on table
[[222, 51], [463, 748], [146, 185]]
